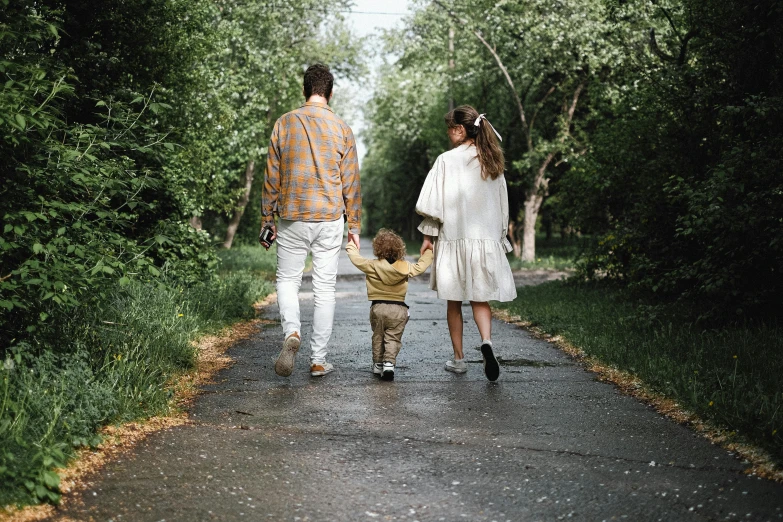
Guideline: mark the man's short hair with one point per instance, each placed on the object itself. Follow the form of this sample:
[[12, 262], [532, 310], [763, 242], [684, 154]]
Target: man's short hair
[[318, 80]]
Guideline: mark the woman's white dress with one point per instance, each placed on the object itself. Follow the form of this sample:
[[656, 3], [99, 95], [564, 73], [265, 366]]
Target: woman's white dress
[[469, 216]]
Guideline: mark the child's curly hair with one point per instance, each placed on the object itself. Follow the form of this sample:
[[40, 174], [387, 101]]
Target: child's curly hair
[[388, 245]]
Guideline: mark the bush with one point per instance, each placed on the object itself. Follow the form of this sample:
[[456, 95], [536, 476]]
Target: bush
[[85, 206], [682, 185]]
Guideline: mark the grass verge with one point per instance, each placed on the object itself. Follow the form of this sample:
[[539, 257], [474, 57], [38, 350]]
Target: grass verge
[[555, 253], [113, 364], [730, 377]]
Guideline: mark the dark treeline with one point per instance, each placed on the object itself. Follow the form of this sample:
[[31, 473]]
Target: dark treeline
[[651, 127]]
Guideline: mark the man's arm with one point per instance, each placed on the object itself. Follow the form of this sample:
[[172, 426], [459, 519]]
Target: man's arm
[[352, 191], [271, 190]]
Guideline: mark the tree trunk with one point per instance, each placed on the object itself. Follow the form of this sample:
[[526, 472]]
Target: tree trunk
[[241, 204], [451, 68], [532, 206], [513, 237], [195, 222]]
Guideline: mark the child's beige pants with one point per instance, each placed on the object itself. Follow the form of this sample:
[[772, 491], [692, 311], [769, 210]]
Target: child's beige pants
[[388, 322]]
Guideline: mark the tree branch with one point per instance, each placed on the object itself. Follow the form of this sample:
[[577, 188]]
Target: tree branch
[[541, 104], [657, 50], [684, 47], [502, 67]]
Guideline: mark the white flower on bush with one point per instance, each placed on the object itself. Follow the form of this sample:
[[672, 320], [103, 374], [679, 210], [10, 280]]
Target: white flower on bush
[[9, 364]]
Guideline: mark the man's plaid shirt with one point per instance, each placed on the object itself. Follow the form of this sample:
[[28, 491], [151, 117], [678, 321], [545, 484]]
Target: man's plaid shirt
[[312, 172]]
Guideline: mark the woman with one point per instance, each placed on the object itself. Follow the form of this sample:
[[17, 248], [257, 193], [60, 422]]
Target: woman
[[464, 202]]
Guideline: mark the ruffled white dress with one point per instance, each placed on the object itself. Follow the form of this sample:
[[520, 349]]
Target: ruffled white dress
[[469, 216]]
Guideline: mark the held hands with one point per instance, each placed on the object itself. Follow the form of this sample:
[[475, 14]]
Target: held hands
[[354, 238], [426, 245]]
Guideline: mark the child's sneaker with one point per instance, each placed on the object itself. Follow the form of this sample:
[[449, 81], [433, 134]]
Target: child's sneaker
[[319, 369], [377, 368], [491, 366], [456, 366], [284, 365], [388, 371]]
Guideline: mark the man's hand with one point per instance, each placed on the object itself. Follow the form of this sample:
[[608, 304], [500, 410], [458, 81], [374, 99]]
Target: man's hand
[[354, 238], [274, 234], [426, 245]]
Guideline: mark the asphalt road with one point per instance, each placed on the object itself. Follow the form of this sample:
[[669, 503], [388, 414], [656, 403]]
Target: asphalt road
[[545, 442]]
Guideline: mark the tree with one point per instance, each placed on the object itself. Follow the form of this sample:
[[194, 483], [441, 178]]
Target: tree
[[690, 209], [547, 55], [555, 50]]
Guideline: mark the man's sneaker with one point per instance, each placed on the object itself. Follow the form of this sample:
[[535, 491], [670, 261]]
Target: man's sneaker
[[318, 369], [377, 368], [491, 366], [456, 366], [284, 365], [388, 371]]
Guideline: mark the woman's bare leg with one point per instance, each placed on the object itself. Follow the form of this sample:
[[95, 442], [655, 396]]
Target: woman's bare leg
[[454, 318], [483, 317]]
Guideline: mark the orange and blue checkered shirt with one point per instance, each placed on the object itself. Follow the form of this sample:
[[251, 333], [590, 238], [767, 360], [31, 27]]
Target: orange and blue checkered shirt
[[312, 171]]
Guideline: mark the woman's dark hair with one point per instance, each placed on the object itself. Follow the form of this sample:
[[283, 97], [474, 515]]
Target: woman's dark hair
[[388, 245], [489, 153], [318, 80]]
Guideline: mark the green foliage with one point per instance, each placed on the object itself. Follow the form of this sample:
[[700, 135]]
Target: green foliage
[[114, 363], [85, 206], [117, 125], [683, 179], [551, 52], [253, 259], [729, 375], [558, 252], [671, 160]]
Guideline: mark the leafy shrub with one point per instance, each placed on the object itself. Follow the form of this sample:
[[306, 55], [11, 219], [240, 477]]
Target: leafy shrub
[[84, 206], [682, 184]]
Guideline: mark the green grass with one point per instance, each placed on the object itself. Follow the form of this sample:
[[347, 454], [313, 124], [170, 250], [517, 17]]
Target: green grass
[[112, 363], [253, 259], [556, 253], [730, 376]]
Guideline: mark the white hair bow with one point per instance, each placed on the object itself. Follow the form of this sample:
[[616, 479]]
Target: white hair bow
[[483, 117]]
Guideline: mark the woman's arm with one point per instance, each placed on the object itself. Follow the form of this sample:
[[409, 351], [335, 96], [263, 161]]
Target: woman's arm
[[426, 245]]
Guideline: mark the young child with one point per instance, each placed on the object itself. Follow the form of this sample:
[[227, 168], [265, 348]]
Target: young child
[[387, 284]]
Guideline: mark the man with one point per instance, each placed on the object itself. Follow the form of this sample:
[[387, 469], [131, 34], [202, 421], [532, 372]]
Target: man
[[312, 179]]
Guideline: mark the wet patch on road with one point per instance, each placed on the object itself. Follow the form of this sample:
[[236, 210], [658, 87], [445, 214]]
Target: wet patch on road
[[525, 362]]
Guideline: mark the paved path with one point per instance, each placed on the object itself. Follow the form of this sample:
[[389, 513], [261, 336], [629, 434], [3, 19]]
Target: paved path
[[545, 442]]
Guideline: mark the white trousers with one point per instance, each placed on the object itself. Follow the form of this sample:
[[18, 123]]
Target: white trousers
[[295, 239]]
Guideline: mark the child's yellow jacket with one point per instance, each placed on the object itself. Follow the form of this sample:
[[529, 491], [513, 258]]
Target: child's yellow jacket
[[385, 281]]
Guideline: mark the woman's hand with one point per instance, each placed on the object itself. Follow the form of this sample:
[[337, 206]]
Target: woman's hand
[[426, 245]]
